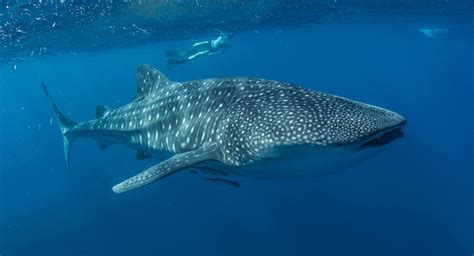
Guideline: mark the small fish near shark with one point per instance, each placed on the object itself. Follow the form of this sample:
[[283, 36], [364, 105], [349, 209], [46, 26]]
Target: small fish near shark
[[227, 182], [245, 126]]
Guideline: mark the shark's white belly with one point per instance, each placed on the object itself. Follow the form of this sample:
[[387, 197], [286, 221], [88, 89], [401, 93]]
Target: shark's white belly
[[300, 161]]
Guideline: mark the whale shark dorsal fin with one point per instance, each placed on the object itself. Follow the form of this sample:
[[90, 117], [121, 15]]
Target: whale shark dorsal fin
[[101, 111], [171, 165], [149, 79]]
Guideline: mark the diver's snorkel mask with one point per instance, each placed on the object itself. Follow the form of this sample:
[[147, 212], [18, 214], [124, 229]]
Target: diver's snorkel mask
[[224, 39]]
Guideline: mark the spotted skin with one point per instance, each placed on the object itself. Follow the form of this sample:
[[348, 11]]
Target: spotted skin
[[167, 167], [234, 121]]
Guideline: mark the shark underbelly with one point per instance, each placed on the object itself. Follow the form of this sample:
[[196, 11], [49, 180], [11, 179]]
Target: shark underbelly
[[299, 161]]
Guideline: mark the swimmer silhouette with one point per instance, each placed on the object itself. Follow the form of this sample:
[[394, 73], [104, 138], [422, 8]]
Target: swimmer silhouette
[[204, 48]]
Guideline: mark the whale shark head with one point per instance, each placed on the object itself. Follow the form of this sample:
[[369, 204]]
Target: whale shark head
[[361, 126], [350, 132], [326, 133]]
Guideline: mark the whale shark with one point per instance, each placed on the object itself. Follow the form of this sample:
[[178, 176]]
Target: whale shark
[[242, 126]]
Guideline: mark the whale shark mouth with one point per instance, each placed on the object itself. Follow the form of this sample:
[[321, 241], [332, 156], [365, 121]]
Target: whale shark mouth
[[384, 137]]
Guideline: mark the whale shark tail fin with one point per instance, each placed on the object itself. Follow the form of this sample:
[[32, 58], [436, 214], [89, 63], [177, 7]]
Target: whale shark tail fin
[[65, 125]]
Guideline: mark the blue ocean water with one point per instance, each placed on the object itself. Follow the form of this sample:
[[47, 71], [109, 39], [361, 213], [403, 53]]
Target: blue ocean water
[[414, 198]]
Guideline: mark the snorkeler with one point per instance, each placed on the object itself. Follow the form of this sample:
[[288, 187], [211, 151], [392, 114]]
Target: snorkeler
[[432, 32], [205, 48]]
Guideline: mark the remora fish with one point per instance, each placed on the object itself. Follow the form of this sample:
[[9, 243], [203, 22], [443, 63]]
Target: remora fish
[[231, 183], [247, 126]]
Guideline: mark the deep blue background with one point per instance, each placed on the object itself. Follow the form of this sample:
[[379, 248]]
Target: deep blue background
[[415, 198]]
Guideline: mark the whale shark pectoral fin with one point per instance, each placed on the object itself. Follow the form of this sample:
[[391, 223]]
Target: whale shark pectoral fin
[[167, 167], [149, 80]]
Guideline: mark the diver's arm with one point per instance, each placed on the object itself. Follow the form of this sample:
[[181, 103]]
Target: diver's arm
[[200, 44], [216, 52]]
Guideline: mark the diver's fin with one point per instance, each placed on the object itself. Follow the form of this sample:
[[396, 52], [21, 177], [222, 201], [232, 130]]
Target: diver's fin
[[227, 182], [149, 79], [176, 54], [101, 111], [167, 167], [141, 155], [65, 124]]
